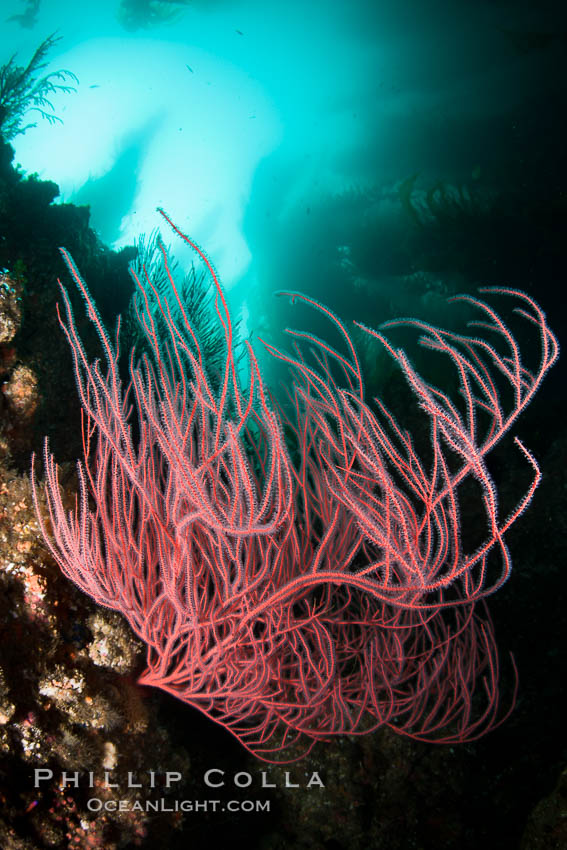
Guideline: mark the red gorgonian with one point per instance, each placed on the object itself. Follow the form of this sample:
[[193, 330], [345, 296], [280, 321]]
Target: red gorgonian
[[294, 588]]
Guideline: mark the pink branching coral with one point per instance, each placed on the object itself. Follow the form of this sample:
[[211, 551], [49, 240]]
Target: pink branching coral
[[292, 593]]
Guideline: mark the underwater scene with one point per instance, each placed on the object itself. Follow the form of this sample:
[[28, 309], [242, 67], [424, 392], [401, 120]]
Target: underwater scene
[[283, 452]]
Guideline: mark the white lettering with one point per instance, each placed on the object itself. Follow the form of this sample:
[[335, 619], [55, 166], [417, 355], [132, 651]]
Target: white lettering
[[315, 780], [107, 781], [40, 775], [208, 780], [265, 783], [289, 784], [70, 779]]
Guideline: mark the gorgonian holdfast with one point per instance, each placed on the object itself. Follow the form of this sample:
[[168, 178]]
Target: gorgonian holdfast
[[292, 595]]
